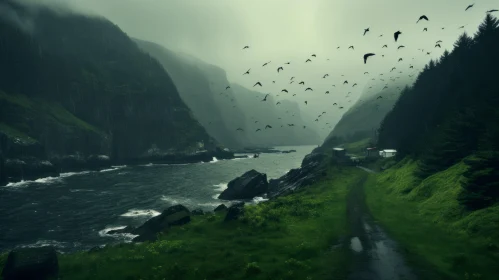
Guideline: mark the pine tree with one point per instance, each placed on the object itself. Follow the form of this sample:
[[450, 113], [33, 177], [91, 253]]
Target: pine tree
[[487, 28]]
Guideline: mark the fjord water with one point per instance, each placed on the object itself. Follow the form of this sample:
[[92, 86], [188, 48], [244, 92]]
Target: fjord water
[[75, 211]]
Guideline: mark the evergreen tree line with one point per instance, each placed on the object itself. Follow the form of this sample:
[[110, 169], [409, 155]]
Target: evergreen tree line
[[451, 112]]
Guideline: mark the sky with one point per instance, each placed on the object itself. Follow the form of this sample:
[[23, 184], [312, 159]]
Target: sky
[[282, 31]]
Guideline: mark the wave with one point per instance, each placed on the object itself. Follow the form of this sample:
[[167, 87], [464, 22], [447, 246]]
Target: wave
[[214, 160], [53, 243], [178, 200], [23, 183], [81, 190], [221, 187], [69, 174], [126, 237], [113, 168], [141, 213]]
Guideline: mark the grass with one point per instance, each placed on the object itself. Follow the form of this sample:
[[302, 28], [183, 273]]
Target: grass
[[26, 108], [357, 147], [435, 232], [290, 237]]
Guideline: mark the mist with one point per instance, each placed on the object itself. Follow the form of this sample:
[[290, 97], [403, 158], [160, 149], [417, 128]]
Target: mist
[[291, 31]]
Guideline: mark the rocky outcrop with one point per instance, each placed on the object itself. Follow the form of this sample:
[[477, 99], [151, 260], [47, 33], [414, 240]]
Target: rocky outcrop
[[310, 171], [29, 169], [234, 212], [172, 216], [249, 185], [31, 263]]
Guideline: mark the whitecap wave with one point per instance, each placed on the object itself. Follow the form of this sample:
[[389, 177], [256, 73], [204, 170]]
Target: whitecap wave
[[69, 174], [209, 204], [81, 190], [214, 160], [46, 180], [140, 213], [43, 243], [177, 200], [221, 187], [127, 237], [113, 168]]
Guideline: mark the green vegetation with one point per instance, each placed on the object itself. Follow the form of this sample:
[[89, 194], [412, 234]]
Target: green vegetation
[[434, 230], [358, 147], [290, 237]]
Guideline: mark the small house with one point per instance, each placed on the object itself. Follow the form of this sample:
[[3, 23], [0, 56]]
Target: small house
[[372, 152], [388, 153], [339, 152]]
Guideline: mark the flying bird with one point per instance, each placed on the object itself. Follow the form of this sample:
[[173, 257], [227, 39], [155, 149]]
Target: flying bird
[[325, 76], [247, 72], [313, 55], [400, 59], [411, 66], [227, 87], [316, 120], [266, 63], [306, 102], [354, 85], [309, 89], [280, 68], [491, 11], [422, 17], [265, 98], [257, 84], [396, 35], [366, 56], [379, 97], [301, 83], [401, 46], [366, 73], [308, 60], [351, 47], [246, 47], [291, 124], [393, 69], [267, 126], [365, 31], [425, 29], [469, 7], [292, 78], [345, 82], [327, 92], [258, 130], [385, 46], [278, 103], [335, 103], [461, 27], [240, 129], [439, 41], [287, 62], [438, 45], [284, 90]]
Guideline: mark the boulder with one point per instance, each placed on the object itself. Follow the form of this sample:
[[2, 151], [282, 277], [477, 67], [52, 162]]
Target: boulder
[[197, 212], [234, 212], [249, 185], [31, 264], [174, 215], [220, 207]]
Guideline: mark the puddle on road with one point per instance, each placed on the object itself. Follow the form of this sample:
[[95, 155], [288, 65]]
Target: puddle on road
[[355, 244]]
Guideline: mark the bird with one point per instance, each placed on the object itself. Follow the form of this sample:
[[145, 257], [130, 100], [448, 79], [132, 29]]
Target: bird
[[401, 46], [366, 56], [327, 92], [469, 7], [425, 29], [411, 66], [422, 17], [257, 83], [345, 82], [265, 98], [379, 97], [396, 35], [227, 87], [301, 83], [438, 45], [287, 62], [309, 89], [385, 87], [258, 130], [284, 90], [267, 126], [294, 94], [491, 11], [291, 78], [306, 102], [316, 120], [291, 124], [278, 103], [353, 85], [325, 76], [428, 53], [439, 41], [246, 47], [384, 46], [341, 107], [273, 82], [291, 82], [351, 47], [393, 69], [304, 126], [400, 59], [247, 72], [334, 85], [240, 129], [280, 68], [266, 63], [381, 35], [461, 27], [308, 60], [313, 55], [256, 121], [365, 31], [366, 73]]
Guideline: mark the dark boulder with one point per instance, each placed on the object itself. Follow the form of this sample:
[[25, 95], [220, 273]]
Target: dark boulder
[[234, 212], [249, 185], [174, 215], [29, 168], [220, 207], [197, 212], [310, 171], [31, 264]]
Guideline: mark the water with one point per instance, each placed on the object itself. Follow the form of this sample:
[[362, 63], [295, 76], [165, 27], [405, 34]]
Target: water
[[75, 211]]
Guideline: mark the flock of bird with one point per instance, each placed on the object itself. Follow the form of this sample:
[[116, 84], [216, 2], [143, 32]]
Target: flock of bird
[[397, 35]]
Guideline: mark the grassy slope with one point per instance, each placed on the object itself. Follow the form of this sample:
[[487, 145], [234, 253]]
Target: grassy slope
[[358, 147], [287, 238], [434, 230], [29, 108]]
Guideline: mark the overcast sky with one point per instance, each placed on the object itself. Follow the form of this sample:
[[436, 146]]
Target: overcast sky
[[292, 30]]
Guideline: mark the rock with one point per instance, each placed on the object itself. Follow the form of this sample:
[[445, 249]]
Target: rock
[[234, 212], [174, 215], [309, 172], [29, 168], [249, 185], [31, 264], [220, 207], [3, 173], [98, 162], [127, 229], [197, 212]]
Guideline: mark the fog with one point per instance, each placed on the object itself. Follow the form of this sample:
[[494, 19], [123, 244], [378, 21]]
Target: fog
[[292, 30]]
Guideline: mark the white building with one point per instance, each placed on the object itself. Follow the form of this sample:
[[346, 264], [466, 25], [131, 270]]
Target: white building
[[387, 153]]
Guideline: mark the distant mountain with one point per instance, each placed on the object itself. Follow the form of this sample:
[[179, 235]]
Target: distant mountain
[[79, 85]]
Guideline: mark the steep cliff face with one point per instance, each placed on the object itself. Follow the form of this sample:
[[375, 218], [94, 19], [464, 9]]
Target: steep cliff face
[[76, 84], [194, 89]]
